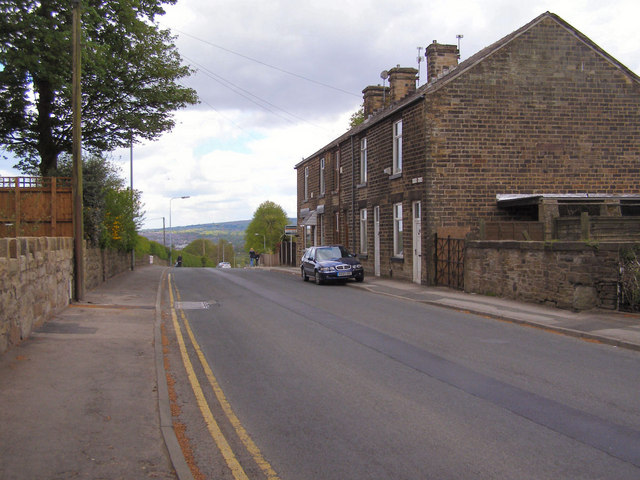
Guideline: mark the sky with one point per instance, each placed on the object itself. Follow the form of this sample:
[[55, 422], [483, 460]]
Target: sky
[[279, 80]]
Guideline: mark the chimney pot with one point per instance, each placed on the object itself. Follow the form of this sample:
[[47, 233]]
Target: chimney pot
[[375, 96], [441, 59], [402, 82]]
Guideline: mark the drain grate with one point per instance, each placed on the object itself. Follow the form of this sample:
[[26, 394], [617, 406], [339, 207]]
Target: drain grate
[[191, 305]]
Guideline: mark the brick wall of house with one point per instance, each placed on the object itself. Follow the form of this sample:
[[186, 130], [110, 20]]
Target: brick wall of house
[[546, 113], [381, 189]]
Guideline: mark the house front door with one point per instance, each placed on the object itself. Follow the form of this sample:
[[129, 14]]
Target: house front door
[[417, 242], [376, 240]]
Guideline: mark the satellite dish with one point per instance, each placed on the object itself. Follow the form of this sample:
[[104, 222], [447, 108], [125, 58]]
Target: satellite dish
[[384, 75]]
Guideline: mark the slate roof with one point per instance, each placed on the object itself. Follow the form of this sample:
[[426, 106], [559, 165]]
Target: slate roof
[[462, 67]]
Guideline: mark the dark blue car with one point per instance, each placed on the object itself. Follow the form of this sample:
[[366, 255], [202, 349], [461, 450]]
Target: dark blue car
[[330, 263]]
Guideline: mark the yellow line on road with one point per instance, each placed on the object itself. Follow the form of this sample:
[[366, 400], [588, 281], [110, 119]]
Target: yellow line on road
[[212, 425], [251, 447]]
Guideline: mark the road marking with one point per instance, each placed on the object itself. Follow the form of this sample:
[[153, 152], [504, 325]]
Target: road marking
[[249, 444], [212, 425]]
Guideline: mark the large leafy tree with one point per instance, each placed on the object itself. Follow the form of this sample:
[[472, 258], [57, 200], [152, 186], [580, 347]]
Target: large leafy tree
[[130, 74], [269, 220]]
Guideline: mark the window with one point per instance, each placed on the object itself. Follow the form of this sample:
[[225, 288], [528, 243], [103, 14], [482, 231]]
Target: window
[[322, 176], [363, 230], [363, 160], [398, 249], [306, 183], [397, 147]]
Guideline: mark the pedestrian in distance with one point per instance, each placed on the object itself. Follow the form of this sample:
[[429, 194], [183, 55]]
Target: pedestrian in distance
[[252, 257]]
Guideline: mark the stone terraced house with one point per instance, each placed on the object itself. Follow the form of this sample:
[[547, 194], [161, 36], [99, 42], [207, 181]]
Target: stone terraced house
[[541, 124]]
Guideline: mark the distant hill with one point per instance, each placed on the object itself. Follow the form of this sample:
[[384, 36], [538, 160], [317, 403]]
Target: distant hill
[[232, 232]]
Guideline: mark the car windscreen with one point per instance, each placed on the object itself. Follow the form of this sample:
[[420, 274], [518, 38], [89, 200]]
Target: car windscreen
[[331, 253]]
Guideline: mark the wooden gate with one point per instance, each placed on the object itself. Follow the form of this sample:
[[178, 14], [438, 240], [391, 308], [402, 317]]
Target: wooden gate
[[449, 262]]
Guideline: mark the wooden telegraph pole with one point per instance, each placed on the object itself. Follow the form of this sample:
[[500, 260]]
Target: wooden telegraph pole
[[76, 105]]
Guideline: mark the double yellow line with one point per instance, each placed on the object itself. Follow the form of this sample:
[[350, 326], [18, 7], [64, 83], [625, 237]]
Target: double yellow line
[[213, 427]]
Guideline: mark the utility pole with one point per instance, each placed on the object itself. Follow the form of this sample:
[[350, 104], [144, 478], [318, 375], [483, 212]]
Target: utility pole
[[133, 249], [76, 107]]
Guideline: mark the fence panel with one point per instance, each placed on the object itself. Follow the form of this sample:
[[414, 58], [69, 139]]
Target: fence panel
[[36, 207], [513, 231]]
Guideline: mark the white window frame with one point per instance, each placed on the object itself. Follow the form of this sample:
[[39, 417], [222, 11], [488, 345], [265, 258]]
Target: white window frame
[[363, 230], [398, 244], [397, 147], [322, 182], [363, 160], [306, 183]]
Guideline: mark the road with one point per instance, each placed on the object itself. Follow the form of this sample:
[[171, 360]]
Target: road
[[335, 382]]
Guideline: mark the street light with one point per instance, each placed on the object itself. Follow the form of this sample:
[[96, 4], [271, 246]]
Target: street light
[[264, 242], [171, 230]]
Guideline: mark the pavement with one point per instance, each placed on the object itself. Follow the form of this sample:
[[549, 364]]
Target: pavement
[[86, 395]]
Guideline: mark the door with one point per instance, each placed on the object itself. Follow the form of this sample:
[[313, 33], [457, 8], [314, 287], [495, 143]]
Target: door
[[376, 240], [417, 242]]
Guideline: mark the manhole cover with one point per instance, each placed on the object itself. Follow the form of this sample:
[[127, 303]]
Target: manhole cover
[[191, 305]]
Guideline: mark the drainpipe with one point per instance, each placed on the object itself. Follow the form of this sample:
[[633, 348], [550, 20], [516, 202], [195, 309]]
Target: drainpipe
[[353, 193]]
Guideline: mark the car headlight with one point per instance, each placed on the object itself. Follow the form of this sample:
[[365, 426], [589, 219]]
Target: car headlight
[[357, 267], [327, 269]]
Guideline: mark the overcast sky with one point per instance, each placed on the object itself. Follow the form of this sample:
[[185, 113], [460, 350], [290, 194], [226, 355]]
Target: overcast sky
[[278, 80]]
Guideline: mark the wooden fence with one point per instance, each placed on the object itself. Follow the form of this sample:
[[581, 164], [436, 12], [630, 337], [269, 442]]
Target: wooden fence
[[603, 229], [521, 231], [36, 207]]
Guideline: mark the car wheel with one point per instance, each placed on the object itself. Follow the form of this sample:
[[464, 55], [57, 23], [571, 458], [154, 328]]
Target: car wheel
[[360, 279], [304, 275], [318, 278]]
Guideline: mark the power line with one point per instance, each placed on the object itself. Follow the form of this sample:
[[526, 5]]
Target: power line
[[246, 94], [302, 77]]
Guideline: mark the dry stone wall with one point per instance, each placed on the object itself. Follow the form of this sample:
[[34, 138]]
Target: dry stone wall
[[35, 283], [568, 275], [36, 280]]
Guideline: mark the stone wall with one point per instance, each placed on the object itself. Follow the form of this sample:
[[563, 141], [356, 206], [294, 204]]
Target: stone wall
[[569, 275], [36, 280], [35, 283]]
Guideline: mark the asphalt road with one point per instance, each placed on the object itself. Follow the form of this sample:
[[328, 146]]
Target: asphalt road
[[334, 382]]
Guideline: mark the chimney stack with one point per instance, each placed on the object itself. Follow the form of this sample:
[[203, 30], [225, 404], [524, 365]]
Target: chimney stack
[[441, 59], [375, 96], [402, 82]]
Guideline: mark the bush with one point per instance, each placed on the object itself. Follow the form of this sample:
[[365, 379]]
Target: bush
[[144, 246]]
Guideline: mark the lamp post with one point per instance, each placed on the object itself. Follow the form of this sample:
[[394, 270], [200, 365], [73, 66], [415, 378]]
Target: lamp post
[[171, 229]]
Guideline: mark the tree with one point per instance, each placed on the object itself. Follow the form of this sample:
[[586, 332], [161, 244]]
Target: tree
[[111, 216], [215, 253], [121, 220], [357, 117], [130, 70], [268, 220], [100, 176]]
